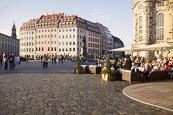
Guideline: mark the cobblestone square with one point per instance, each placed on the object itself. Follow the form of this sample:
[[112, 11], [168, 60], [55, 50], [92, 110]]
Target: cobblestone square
[[32, 90]]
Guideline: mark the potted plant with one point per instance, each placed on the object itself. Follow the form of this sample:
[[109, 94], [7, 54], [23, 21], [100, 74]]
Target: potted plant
[[107, 73], [78, 67]]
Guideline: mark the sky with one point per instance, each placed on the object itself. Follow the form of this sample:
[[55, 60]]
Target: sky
[[117, 15]]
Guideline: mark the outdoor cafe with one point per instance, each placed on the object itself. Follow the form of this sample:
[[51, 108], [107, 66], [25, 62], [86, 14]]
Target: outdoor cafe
[[155, 67]]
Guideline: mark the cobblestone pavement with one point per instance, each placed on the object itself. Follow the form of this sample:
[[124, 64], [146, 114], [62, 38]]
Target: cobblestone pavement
[[31, 90]]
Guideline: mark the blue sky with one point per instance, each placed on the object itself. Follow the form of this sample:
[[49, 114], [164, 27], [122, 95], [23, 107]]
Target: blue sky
[[117, 15]]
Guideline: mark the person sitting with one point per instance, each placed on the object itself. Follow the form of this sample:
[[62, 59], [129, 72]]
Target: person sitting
[[155, 67], [165, 67], [170, 71]]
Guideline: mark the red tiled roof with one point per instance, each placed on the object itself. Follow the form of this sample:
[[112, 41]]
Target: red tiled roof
[[72, 16], [51, 15]]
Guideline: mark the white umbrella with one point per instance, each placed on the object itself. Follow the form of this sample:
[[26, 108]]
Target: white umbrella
[[155, 47], [126, 48]]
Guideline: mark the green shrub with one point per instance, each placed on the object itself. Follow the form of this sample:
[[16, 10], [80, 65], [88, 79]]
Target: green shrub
[[78, 64], [107, 70]]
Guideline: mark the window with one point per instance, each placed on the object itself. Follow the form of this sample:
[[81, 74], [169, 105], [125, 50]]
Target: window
[[159, 4], [140, 32], [160, 26]]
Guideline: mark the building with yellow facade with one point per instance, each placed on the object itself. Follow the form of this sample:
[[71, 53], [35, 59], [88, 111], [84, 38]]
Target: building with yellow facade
[[153, 23]]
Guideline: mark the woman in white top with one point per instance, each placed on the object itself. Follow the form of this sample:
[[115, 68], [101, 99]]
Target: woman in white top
[[17, 62]]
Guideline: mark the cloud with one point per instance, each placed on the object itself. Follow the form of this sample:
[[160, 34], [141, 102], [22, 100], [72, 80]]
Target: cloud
[[100, 16], [5, 3], [5, 31]]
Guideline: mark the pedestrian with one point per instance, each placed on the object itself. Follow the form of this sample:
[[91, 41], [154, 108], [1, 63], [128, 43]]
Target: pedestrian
[[52, 59], [5, 59], [55, 57], [46, 61], [1, 59], [43, 60], [61, 58], [17, 62], [11, 62]]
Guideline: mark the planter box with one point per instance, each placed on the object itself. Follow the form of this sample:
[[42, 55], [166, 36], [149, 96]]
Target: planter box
[[79, 71], [108, 77], [129, 76], [94, 69]]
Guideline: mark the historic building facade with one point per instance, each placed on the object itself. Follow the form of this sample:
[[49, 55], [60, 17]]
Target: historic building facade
[[57, 34], [117, 43], [9, 44], [60, 34], [153, 23]]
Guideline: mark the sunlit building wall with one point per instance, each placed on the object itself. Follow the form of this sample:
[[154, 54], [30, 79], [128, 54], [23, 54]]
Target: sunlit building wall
[[153, 23]]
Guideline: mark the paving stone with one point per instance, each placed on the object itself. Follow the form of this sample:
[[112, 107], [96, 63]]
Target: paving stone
[[56, 90]]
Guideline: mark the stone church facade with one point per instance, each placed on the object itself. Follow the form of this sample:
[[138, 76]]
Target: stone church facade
[[153, 23]]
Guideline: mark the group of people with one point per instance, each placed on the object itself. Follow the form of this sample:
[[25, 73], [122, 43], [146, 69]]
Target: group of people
[[10, 62], [143, 65], [156, 64]]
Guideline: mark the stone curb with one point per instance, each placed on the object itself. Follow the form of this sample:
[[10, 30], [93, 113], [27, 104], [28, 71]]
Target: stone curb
[[124, 92]]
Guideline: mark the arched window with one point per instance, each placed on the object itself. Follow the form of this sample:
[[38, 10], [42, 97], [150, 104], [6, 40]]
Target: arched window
[[160, 26], [140, 28]]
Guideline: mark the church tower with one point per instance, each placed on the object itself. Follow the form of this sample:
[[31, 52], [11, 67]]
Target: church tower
[[153, 23], [13, 34]]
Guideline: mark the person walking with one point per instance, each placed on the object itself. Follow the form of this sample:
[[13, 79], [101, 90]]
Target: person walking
[[46, 61], [11, 61], [1, 59], [5, 59], [52, 59], [43, 60], [55, 57], [17, 62]]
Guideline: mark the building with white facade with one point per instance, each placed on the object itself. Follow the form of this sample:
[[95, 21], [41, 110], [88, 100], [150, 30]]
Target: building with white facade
[[60, 34], [57, 34]]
